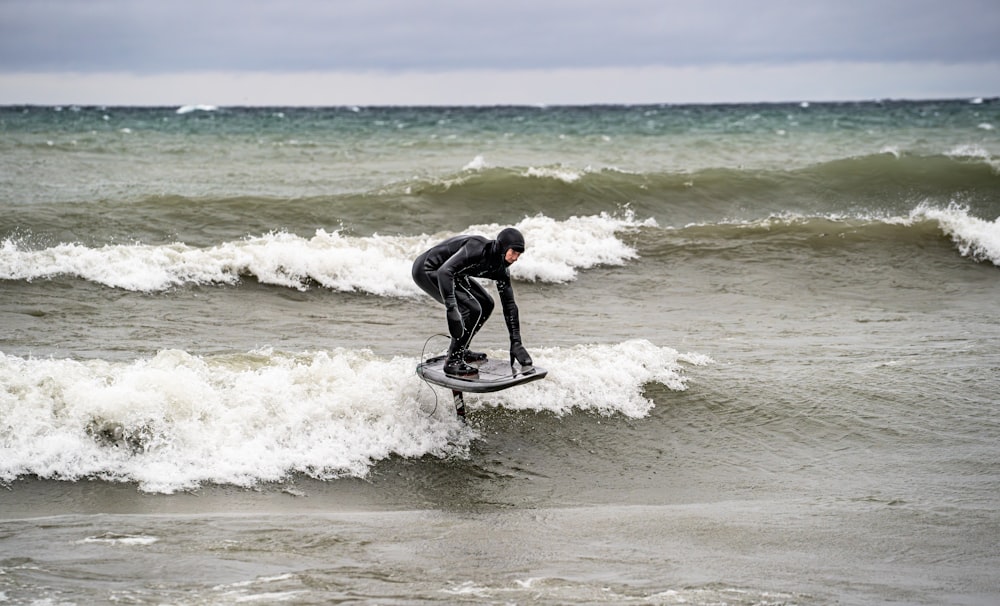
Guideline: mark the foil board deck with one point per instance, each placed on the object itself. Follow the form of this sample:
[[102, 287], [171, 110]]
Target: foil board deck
[[494, 375]]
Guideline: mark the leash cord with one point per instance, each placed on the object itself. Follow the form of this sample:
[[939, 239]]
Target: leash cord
[[423, 352]]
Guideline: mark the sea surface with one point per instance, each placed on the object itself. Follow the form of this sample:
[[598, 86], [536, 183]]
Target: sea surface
[[772, 335]]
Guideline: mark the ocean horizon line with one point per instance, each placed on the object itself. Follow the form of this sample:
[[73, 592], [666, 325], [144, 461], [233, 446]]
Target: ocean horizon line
[[352, 106]]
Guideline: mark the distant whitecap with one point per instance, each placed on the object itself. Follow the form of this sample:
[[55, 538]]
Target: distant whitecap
[[187, 109]]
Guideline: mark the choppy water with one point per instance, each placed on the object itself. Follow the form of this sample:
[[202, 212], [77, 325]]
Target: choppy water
[[771, 334]]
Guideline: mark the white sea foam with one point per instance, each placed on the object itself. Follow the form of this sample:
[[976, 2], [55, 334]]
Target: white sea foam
[[375, 264], [176, 420], [563, 174], [110, 538], [970, 151], [975, 153], [582, 379], [187, 109], [557, 249], [976, 238], [892, 150], [477, 163]]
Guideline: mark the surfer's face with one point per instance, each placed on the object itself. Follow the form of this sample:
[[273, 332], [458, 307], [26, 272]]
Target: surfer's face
[[511, 256]]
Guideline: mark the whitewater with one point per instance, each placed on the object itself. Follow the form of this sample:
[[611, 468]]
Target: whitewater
[[380, 265], [177, 420]]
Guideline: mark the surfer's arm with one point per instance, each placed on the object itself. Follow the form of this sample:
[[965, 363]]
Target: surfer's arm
[[446, 275], [512, 317], [448, 272]]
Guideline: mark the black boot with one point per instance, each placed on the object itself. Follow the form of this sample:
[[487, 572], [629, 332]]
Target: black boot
[[455, 366], [474, 356], [458, 368]]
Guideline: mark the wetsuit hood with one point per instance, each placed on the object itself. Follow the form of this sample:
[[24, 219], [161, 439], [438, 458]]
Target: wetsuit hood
[[510, 238]]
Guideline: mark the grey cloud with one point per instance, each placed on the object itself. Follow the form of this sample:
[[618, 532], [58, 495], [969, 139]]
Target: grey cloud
[[186, 35]]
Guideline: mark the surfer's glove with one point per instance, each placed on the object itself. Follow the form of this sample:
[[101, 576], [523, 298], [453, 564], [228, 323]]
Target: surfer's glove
[[455, 325], [517, 351]]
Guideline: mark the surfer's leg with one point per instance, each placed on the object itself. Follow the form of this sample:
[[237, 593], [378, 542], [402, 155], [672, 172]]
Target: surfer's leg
[[426, 279], [471, 308], [471, 311], [486, 306]]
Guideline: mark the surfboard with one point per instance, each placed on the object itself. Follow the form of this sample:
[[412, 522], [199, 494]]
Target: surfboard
[[494, 375]]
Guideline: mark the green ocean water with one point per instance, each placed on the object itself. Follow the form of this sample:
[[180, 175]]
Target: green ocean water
[[771, 332]]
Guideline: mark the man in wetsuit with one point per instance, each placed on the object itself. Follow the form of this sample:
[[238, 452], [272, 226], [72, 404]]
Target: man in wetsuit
[[445, 272]]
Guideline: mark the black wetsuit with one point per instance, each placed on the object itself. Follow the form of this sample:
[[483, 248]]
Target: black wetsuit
[[445, 272]]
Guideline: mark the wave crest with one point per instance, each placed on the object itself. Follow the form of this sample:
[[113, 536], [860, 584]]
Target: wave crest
[[177, 420], [975, 238], [378, 265]]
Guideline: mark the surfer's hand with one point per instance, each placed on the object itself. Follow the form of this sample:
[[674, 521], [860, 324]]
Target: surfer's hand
[[455, 325], [520, 353]]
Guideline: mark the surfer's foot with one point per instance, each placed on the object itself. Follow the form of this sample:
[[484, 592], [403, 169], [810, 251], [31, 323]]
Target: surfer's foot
[[458, 368], [474, 356]]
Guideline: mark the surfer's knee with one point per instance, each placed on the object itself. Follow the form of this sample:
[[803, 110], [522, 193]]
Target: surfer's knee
[[487, 311], [417, 271], [474, 309]]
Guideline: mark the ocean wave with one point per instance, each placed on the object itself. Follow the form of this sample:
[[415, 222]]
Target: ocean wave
[[176, 421], [976, 238], [892, 181], [558, 250], [971, 160], [378, 265], [892, 178]]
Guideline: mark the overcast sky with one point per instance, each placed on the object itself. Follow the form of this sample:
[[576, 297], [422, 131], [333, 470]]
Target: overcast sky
[[364, 52]]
